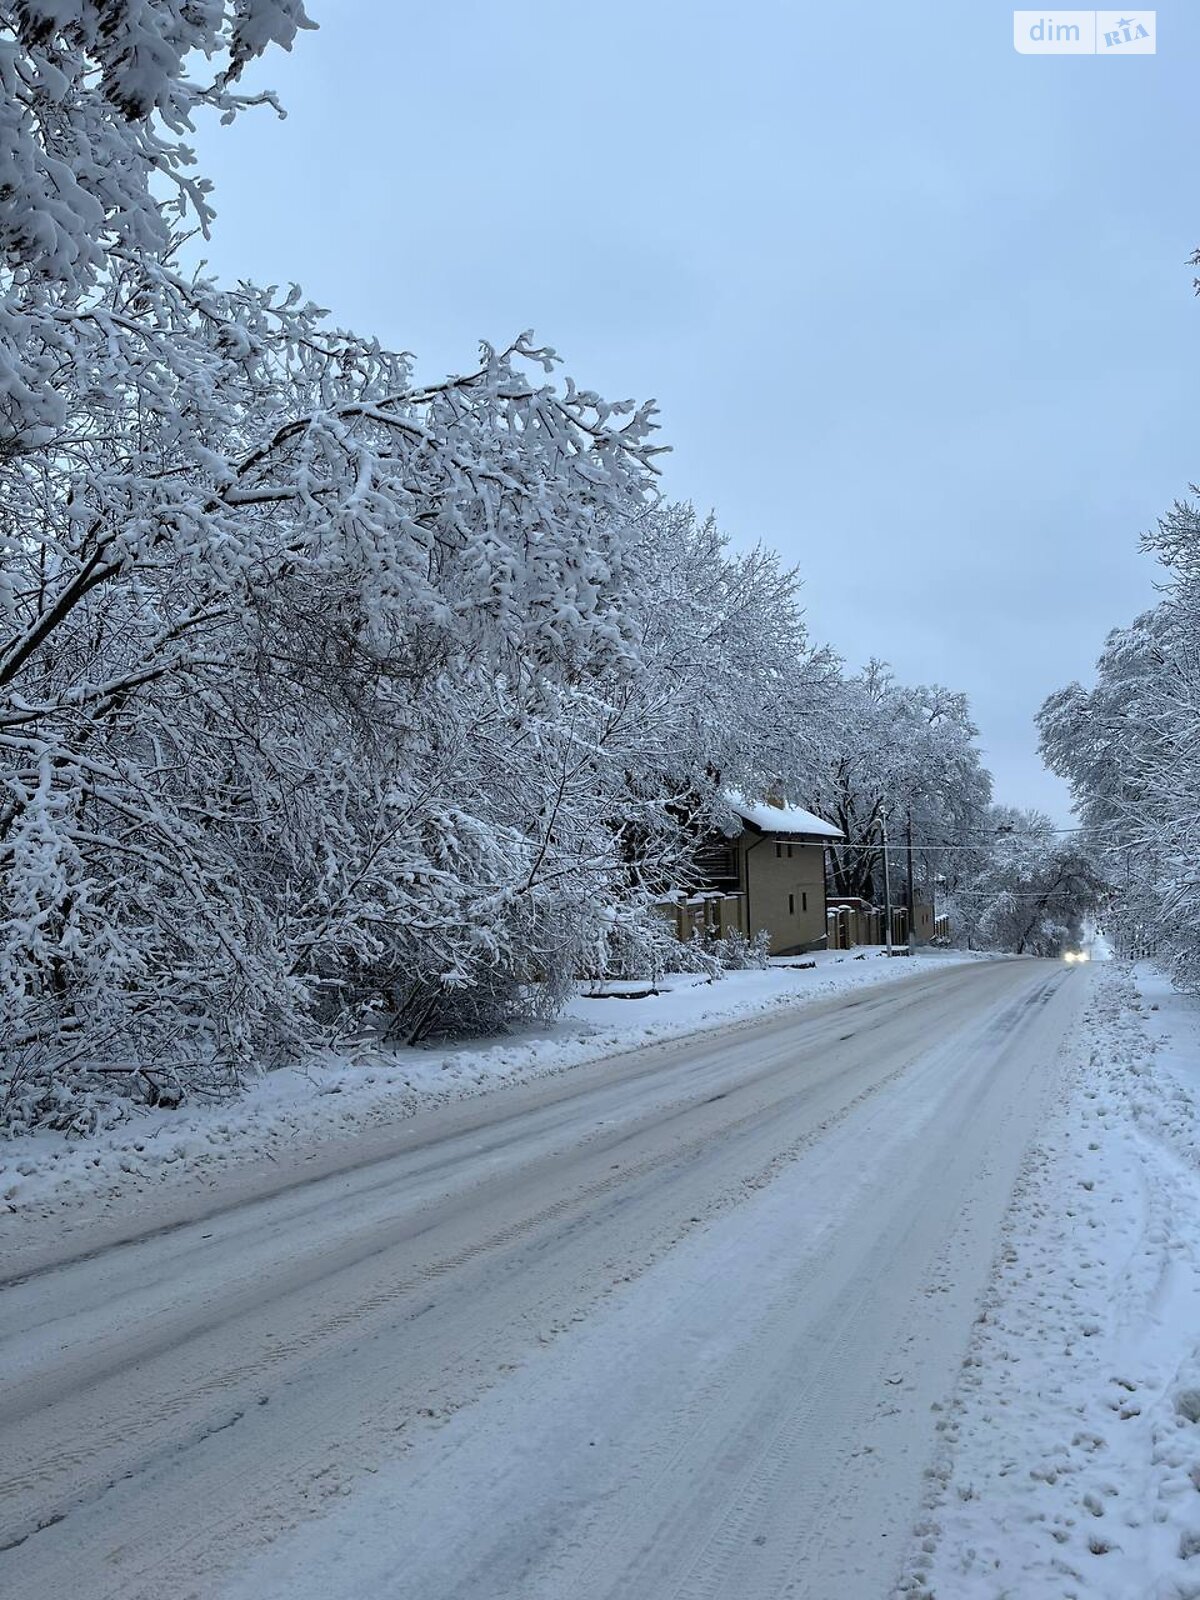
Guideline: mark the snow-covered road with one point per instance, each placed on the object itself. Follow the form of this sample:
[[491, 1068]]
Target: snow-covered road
[[674, 1325]]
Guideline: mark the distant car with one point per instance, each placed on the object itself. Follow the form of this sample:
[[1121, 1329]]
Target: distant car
[[1076, 955]]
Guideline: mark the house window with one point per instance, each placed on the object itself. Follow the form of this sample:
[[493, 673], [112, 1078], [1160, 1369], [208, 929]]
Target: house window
[[804, 901], [791, 905], [789, 852], [779, 852]]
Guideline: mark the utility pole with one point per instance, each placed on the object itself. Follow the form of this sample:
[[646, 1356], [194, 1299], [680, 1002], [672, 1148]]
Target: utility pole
[[912, 893], [887, 881]]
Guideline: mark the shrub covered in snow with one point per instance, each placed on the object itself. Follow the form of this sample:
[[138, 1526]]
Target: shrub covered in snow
[[736, 953]]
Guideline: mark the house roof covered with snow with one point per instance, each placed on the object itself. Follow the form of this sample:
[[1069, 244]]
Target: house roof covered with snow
[[791, 820]]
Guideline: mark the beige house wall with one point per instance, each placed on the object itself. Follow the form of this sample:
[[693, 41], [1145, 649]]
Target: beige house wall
[[784, 891]]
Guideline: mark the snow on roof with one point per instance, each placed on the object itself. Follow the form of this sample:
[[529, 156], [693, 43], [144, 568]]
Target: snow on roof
[[781, 819]]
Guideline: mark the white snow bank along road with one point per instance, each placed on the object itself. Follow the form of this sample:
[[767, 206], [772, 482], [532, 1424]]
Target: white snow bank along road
[[1071, 1457], [284, 1111], [670, 1329]]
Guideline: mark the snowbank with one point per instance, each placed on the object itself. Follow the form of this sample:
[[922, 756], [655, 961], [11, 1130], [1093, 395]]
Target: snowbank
[[45, 1171], [1071, 1460]]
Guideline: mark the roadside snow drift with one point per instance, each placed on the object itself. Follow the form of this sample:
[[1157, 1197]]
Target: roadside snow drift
[[1071, 1453], [287, 1110]]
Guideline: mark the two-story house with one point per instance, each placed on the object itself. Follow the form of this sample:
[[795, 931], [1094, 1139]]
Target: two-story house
[[768, 875]]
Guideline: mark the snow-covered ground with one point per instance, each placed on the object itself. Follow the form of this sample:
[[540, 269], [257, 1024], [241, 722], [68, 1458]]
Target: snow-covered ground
[[1070, 1464], [674, 1326], [288, 1109]]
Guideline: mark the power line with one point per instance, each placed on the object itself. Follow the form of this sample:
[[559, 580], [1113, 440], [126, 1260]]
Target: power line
[[835, 844], [981, 839], [1007, 894]]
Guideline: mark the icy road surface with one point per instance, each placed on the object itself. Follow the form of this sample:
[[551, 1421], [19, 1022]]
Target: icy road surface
[[675, 1326]]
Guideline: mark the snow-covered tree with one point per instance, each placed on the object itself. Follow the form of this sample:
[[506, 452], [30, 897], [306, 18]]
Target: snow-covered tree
[[96, 100], [740, 695], [303, 660], [1025, 888], [1130, 749], [330, 697], [906, 749], [312, 676], [326, 695]]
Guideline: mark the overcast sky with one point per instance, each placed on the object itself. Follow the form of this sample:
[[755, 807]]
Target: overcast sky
[[916, 308]]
